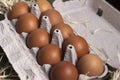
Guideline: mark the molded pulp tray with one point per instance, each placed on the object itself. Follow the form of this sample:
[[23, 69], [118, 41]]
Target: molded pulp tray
[[102, 34]]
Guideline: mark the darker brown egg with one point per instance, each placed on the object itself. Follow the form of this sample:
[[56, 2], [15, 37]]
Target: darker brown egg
[[91, 65], [49, 54], [54, 16], [65, 29], [26, 23], [63, 71], [80, 44], [17, 10], [37, 38]]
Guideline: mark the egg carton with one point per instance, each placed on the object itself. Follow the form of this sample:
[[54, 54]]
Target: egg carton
[[22, 59], [81, 15], [98, 22]]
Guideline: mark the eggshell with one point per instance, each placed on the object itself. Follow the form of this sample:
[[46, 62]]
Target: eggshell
[[53, 15], [79, 43], [17, 10], [44, 5], [27, 23], [63, 71], [65, 29], [37, 38], [91, 65], [49, 54]]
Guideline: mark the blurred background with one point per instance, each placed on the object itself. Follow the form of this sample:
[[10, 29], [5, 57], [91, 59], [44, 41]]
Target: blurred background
[[115, 3]]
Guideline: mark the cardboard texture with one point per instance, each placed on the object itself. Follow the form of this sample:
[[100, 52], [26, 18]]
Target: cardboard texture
[[101, 32]]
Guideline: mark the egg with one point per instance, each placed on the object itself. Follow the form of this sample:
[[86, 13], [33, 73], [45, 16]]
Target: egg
[[49, 54], [54, 16], [17, 10], [90, 65], [37, 38], [65, 29], [27, 23], [80, 44], [44, 5], [63, 71]]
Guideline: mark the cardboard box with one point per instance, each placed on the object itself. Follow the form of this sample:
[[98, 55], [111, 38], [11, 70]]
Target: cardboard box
[[101, 32]]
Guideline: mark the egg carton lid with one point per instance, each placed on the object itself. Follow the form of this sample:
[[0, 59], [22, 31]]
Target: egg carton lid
[[98, 22]]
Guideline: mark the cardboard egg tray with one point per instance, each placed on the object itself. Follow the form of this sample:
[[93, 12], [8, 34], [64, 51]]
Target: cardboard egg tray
[[95, 20]]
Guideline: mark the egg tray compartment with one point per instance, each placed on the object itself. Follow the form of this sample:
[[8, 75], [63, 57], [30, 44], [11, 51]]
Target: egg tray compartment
[[19, 55], [57, 39], [22, 58]]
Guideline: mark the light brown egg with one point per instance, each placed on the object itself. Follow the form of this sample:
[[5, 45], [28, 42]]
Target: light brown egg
[[37, 38], [63, 71], [44, 5], [91, 65], [27, 23], [80, 44], [17, 10], [65, 29], [49, 54], [53, 15]]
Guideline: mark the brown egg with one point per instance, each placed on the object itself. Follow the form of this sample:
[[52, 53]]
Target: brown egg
[[17, 10], [65, 29], [49, 54], [44, 5], [37, 38], [91, 65], [54, 16], [80, 44], [26, 23], [63, 71]]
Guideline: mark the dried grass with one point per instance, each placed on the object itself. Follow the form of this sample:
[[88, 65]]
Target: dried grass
[[6, 72], [100, 29]]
